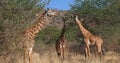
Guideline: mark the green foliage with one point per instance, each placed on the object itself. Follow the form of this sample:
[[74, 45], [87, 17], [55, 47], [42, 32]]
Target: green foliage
[[48, 36], [15, 16], [110, 35], [18, 14], [100, 11], [105, 14], [71, 32]]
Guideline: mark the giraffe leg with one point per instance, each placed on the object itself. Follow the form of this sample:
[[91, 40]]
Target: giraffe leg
[[25, 56], [99, 49], [96, 49], [86, 52], [58, 54], [63, 51], [30, 56], [62, 55], [87, 49], [59, 57]]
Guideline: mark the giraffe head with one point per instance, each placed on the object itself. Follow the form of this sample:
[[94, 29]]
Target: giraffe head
[[77, 19], [51, 13], [48, 13]]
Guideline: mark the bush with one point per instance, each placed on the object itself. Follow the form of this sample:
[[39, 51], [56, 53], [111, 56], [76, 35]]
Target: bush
[[48, 36]]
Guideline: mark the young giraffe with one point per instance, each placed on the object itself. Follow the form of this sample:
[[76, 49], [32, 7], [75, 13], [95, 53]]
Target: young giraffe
[[29, 34], [60, 44], [90, 39]]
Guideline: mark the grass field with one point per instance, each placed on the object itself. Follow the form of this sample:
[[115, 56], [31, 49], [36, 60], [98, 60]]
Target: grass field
[[74, 54]]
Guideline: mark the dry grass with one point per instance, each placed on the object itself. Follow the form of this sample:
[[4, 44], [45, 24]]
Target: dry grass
[[51, 57], [73, 54]]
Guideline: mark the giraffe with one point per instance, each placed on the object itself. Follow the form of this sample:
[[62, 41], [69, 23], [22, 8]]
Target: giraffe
[[29, 34], [60, 44], [90, 39]]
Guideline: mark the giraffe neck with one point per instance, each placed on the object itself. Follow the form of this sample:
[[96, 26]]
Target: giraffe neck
[[84, 31], [38, 25], [63, 30]]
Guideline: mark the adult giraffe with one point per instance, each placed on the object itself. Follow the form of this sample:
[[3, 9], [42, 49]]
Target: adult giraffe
[[28, 35], [90, 39]]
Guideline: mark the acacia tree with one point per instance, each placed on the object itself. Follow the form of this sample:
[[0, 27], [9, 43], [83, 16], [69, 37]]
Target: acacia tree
[[105, 14], [15, 16], [99, 11]]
